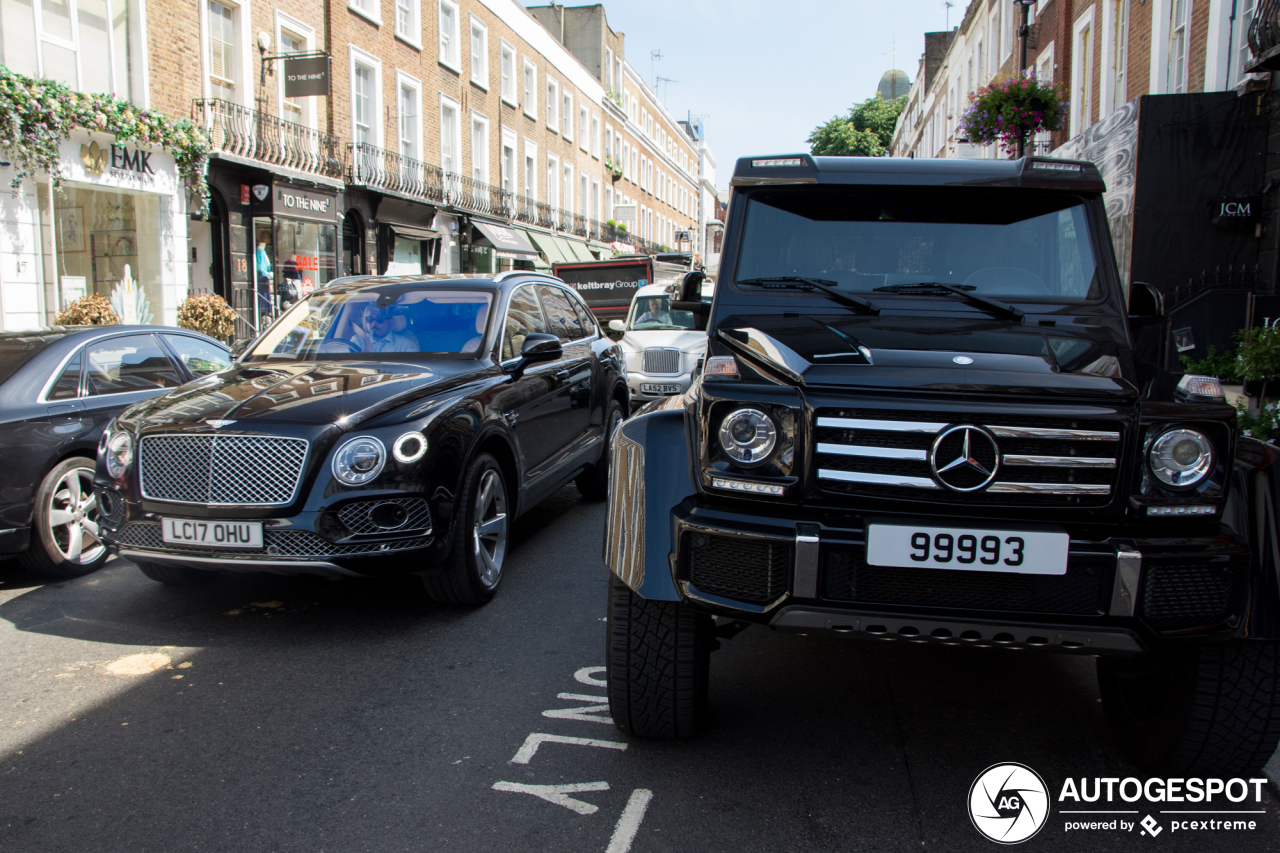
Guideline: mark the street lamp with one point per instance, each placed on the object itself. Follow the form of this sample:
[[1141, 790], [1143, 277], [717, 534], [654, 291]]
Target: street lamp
[[1024, 30]]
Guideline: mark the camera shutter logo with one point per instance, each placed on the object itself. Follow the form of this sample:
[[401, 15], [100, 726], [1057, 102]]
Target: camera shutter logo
[[1008, 803]]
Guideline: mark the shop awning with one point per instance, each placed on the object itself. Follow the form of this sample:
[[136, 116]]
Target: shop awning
[[504, 239], [581, 251], [547, 244], [411, 233]]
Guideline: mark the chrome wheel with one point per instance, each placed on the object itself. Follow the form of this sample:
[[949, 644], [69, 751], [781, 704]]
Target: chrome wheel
[[489, 536], [73, 518]]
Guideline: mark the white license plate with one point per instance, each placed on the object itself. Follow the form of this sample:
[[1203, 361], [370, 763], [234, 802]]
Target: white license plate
[[1028, 552], [646, 388], [211, 534]]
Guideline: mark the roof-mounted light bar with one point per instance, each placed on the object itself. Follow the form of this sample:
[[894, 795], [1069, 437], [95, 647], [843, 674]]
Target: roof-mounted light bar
[[777, 161]]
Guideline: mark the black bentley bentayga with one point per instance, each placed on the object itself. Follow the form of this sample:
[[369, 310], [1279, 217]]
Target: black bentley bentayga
[[381, 425]]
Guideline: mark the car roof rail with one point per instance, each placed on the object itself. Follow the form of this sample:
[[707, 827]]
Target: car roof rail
[[506, 274]]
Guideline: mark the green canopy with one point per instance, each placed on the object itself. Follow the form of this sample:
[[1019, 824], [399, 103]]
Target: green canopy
[[547, 245]]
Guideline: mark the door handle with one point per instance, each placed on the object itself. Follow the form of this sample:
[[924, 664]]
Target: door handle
[[562, 374]]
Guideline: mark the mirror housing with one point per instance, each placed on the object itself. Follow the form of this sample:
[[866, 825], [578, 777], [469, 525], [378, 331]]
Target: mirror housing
[[540, 347], [691, 299], [617, 326], [1145, 300], [240, 347]]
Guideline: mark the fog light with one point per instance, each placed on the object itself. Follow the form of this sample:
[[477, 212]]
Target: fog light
[[747, 487], [1181, 510]]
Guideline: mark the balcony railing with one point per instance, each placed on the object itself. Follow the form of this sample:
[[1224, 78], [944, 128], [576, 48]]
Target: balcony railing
[[1264, 37], [548, 216], [256, 135], [381, 169]]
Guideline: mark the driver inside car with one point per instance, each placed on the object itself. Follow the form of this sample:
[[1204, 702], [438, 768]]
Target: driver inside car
[[376, 335], [657, 311]]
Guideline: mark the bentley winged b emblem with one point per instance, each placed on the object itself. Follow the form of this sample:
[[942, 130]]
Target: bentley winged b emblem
[[218, 424], [964, 458]]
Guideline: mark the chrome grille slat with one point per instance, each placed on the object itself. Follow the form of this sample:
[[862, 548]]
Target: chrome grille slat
[[870, 452], [659, 361], [221, 470]]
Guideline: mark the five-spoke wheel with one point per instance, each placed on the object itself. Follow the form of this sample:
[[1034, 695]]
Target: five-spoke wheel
[[64, 533]]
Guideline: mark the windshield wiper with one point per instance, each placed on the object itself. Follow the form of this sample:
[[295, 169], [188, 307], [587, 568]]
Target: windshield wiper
[[939, 288], [792, 282]]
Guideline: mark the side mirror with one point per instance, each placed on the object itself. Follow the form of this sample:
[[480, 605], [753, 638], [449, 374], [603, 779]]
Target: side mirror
[[691, 299], [240, 347], [691, 287], [1145, 300], [617, 326], [540, 347]]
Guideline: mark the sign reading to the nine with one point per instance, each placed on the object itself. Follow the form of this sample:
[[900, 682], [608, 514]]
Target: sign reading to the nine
[[305, 76]]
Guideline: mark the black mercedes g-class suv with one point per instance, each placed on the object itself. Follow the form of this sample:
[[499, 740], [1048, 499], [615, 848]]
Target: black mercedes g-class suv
[[928, 412]]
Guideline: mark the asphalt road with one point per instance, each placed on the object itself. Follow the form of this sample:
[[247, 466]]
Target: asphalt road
[[263, 713]]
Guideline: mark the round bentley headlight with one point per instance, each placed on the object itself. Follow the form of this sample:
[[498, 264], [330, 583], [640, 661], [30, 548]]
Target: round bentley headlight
[[748, 436], [119, 453], [1181, 457], [409, 447], [359, 460]]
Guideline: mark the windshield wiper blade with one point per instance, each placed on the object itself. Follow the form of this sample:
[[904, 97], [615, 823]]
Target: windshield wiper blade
[[940, 287], [793, 282]]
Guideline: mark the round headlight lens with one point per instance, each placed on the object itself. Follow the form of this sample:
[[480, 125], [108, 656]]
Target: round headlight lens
[[359, 460], [1181, 457], [119, 453], [748, 436], [409, 447]]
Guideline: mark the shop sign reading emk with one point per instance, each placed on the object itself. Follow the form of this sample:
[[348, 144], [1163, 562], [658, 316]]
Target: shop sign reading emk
[[118, 160]]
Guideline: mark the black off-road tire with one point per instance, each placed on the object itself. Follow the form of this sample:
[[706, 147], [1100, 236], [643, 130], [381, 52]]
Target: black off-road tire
[[594, 482], [43, 556], [176, 575], [657, 664], [460, 580], [1213, 710]]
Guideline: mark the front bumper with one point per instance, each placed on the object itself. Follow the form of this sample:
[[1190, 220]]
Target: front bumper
[[806, 572], [644, 386], [325, 542]]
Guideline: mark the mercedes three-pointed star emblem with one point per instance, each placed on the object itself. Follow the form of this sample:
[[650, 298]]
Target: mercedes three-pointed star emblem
[[965, 458]]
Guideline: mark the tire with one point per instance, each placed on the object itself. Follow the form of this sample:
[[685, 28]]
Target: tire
[[1209, 711], [176, 575], [64, 523], [657, 665], [473, 568], [594, 482]]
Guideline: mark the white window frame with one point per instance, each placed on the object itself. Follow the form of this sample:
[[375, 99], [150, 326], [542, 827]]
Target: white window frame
[[483, 121], [553, 104], [553, 181], [584, 124], [1082, 72], [356, 56], [409, 82], [373, 15], [479, 70], [566, 113], [241, 59], [584, 194], [529, 87], [412, 29], [566, 182], [509, 172], [608, 71], [530, 176], [1115, 57], [608, 141], [596, 201], [307, 35], [507, 72], [595, 136], [450, 49], [1176, 83], [456, 142], [1045, 61]]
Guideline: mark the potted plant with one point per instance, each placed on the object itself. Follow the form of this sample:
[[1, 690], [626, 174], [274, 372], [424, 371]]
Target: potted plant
[[91, 310], [209, 314], [1011, 109]]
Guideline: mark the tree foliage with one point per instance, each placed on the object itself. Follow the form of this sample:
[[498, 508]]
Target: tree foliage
[[865, 132]]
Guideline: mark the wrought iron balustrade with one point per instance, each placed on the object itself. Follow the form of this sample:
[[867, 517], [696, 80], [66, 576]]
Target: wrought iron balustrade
[[378, 168], [1264, 37], [260, 136]]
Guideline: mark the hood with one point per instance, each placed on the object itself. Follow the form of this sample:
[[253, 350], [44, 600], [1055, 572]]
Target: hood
[[683, 339], [1075, 356], [308, 393]]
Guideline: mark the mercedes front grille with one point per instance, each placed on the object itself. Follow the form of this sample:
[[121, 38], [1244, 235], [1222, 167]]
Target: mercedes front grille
[[968, 457], [221, 470]]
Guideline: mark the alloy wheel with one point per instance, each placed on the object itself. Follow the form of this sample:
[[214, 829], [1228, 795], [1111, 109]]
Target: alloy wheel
[[73, 518], [489, 538]]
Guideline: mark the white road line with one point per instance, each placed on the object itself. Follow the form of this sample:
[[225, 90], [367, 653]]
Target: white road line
[[629, 824], [582, 697], [585, 713], [536, 739], [558, 794], [585, 674]]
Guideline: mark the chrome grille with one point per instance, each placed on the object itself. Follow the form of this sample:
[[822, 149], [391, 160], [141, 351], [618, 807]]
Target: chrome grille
[[1043, 461], [358, 517], [277, 542], [221, 470], [660, 362]]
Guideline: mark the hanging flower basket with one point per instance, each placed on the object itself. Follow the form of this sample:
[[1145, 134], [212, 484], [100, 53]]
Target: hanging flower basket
[[207, 313], [36, 115], [1011, 109], [91, 310]]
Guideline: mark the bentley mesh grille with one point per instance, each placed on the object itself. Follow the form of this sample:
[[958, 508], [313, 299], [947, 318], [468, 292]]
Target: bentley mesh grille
[[224, 470], [284, 542], [358, 517], [660, 362]]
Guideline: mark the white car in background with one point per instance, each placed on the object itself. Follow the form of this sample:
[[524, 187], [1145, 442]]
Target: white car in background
[[662, 347]]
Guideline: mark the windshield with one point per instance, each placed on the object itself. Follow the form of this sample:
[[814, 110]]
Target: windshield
[[992, 243], [404, 319], [655, 312]]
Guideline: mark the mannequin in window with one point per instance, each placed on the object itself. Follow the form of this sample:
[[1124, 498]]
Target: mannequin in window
[[262, 264]]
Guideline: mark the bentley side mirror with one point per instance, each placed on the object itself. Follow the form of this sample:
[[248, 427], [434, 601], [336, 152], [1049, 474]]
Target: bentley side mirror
[[617, 326], [540, 347], [240, 347], [1145, 300], [691, 299]]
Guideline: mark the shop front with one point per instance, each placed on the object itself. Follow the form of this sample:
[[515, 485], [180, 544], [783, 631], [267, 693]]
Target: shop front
[[497, 248], [115, 228], [408, 242]]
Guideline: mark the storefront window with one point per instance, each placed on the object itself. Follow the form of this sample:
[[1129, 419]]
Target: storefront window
[[111, 242], [406, 257], [306, 258]]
